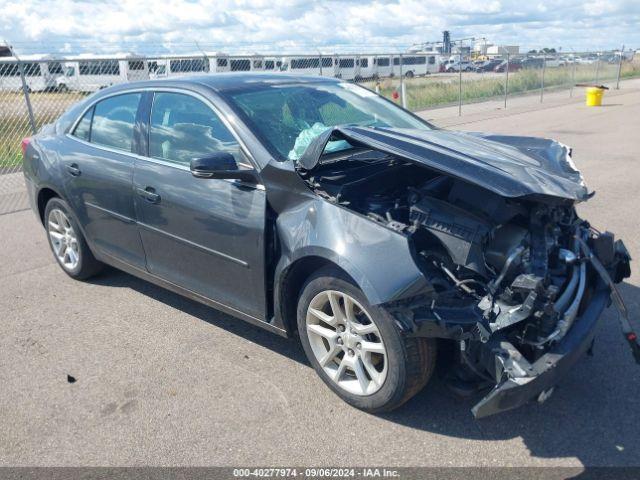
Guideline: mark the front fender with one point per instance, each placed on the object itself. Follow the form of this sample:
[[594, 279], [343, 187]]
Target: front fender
[[377, 258]]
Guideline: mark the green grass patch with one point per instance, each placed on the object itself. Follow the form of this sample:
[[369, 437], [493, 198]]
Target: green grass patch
[[12, 131], [427, 92], [14, 120]]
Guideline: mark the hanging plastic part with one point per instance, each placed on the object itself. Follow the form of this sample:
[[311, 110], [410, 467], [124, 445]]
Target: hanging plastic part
[[630, 336]]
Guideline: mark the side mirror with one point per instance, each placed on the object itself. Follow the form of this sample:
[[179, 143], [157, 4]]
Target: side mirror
[[220, 165]]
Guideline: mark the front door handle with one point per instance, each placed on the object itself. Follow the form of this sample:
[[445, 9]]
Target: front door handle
[[74, 170], [149, 194]]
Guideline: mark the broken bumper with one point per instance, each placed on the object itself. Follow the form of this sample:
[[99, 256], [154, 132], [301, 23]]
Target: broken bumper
[[525, 381]]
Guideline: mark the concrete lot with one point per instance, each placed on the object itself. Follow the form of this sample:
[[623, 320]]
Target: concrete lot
[[164, 381]]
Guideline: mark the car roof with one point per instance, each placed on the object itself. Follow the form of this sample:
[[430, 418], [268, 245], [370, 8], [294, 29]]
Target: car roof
[[225, 82]]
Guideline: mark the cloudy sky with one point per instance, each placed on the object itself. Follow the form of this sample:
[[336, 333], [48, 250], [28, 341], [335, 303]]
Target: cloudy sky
[[157, 26]]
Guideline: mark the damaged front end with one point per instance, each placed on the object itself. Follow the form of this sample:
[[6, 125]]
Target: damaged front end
[[537, 314], [518, 279]]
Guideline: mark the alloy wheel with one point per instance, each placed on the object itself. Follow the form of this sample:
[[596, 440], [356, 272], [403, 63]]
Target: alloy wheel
[[63, 239], [346, 343]]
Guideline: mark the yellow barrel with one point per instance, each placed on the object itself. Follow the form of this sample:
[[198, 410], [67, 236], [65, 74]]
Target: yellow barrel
[[594, 96]]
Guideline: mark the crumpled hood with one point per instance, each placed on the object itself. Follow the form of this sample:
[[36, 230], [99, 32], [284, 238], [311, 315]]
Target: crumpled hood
[[511, 166]]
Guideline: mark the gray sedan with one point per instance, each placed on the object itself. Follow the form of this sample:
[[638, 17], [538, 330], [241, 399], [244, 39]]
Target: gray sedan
[[314, 207]]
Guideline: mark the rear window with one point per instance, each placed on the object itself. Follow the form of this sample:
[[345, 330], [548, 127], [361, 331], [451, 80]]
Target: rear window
[[83, 129]]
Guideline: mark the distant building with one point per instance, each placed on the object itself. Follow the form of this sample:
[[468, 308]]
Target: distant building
[[5, 51], [503, 50], [465, 51], [480, 48], [427, 48]]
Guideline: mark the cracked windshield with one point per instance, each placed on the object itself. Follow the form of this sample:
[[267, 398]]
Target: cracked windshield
[[289, 117]]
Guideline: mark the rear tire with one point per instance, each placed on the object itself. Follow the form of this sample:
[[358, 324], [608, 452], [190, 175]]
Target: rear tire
[[67, 243], [359, 373]]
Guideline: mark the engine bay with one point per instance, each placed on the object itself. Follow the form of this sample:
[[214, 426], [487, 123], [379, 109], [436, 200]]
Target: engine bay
[[496, 264]]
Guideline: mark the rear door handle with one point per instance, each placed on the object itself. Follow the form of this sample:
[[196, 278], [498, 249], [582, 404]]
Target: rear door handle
[[74, 170], [149, 194]]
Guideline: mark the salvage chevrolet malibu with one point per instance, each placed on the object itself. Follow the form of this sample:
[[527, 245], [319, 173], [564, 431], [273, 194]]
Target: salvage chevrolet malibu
[[314, 207]]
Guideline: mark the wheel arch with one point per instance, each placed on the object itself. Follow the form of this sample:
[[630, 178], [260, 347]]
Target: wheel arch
[[291, 277], [45, 194]]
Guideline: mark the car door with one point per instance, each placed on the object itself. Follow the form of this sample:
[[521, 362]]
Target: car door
[[97, 166], [205, 235]]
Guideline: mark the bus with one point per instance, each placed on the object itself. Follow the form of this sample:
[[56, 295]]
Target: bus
[[214, 62], [414, 65], [40, 72], [89, 73], [236, 63], [318, 65], [346, 67], [171, 66]]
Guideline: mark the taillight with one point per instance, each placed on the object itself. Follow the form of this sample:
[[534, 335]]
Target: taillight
[[25, 144]]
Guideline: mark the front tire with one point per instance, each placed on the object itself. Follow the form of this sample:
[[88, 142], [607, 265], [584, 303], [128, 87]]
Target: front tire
[[67, 243], [357, 348]]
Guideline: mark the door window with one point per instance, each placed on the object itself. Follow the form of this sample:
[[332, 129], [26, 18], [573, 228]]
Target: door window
[[183, 128], [113, 121]]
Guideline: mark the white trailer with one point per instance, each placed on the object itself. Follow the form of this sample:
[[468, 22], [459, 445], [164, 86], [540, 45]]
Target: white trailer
[[40, 72], [88, 73]]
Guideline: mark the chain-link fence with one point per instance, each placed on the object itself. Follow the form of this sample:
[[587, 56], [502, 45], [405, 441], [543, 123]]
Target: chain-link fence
[[36, 91]]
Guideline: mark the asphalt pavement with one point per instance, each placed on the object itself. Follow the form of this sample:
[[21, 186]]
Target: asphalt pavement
[[116, 371]]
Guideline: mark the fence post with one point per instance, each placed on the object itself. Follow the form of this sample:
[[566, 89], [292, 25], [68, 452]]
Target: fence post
[[506, 81], [619, 68], [403, 92], [27, 99], [597, 68], [460, 82], [544, 67], [376, 76], [573, 75], [320, 59], [339, 74]]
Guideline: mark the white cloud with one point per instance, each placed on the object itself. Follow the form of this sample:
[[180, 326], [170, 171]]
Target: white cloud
[[274, 25]]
